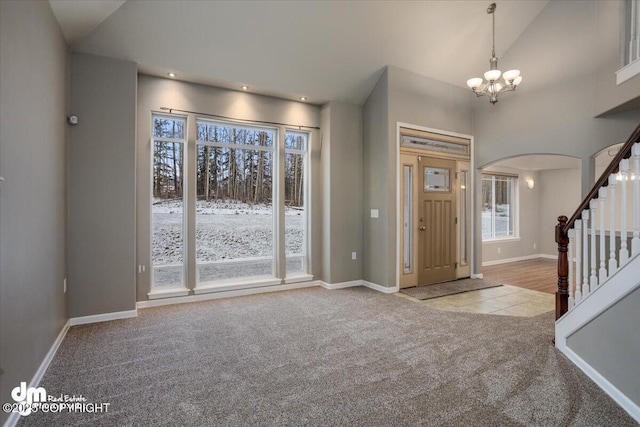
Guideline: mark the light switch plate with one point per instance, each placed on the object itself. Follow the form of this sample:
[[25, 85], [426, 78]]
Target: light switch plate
[[375, 213]]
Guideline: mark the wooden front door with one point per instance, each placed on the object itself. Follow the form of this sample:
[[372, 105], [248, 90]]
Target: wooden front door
[[436, 220]]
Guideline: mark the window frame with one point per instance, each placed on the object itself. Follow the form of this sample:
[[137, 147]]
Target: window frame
[[183, 289], [304, 274], [221, 284], [190, 284], [514, 207]]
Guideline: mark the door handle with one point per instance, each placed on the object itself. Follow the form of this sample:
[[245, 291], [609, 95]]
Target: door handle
[[422, 228]]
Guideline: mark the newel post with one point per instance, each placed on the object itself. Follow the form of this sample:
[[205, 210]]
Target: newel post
[[562, 295]]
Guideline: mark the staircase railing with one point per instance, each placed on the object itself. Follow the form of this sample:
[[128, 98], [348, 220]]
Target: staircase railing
[[582, 258]]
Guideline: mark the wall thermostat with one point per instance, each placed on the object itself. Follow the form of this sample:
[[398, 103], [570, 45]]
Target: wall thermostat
[[73, 120]]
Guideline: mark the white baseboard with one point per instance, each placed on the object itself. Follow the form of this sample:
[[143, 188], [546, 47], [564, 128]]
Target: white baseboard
[[104, 317], [225, 294], [340, 285], [620, 398], [521, 258], [352, 283], [477, 276], [380, 288], [14, 417]]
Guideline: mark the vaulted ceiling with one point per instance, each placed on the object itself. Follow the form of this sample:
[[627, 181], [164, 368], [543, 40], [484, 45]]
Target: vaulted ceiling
[[324, 50]]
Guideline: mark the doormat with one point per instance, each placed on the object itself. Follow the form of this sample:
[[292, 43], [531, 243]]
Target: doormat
[[448, 288]]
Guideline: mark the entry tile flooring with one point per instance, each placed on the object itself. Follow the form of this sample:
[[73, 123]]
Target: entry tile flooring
[[506, 300]]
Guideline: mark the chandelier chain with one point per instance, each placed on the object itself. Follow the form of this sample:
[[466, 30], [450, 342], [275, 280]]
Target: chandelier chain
[[493, 48]]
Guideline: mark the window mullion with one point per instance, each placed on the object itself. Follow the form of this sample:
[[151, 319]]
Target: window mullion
[[493, 207], [279, 209], [190, 205]]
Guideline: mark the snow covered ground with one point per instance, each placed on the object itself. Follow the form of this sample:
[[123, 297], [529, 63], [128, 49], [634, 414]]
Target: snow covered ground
[[502, 222], [225, 230]]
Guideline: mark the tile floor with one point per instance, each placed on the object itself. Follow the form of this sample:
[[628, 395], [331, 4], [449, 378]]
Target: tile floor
[[505, 300]]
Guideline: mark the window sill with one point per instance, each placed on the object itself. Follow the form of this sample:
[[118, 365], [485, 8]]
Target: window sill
[[168, 293], [628, 72], [501, 240], [298, 277], [236, 284]]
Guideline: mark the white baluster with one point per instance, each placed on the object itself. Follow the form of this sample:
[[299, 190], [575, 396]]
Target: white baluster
[[572, 301], [602, 196], [624, 251], [578, 234], [593, 279], [613, 264], [585, 253], [635, 241]]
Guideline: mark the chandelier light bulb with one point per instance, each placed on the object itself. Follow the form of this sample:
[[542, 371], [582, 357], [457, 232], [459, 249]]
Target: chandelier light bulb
[[517, 81], [510, 75], [492, 75], [474, 83]]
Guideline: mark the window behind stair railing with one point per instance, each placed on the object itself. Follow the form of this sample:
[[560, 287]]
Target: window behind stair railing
[[632, 31], [629, 41]]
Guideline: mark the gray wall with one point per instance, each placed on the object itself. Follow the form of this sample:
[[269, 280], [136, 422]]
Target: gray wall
[[342, 176], [325, 173], [101, 189], [33, 141], [377, 183], [560, 195], [553, 110], [154, 93], [399, 96], [607, 344]]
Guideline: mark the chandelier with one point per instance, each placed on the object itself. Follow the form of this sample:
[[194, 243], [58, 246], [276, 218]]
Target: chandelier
[[492, 86]]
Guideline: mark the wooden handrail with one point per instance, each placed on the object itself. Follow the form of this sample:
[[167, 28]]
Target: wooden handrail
[[603, 181]]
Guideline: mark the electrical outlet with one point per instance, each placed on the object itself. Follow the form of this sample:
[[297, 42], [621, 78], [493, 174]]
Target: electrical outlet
[[375, 213], [499, 250], [354, 255], [64, 285]]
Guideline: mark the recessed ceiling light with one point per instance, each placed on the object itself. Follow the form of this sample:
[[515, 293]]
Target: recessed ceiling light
[[244, 87], [303, 98], [171, 74]]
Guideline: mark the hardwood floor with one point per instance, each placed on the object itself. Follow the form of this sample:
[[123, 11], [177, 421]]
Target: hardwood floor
[[538, 274]]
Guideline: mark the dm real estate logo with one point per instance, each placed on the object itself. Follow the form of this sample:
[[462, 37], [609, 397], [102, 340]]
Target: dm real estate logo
[[27, 397]]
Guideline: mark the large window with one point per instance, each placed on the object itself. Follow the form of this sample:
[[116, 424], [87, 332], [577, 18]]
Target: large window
[[234, 211], [499, 206], [168, 183], [295, 147], [234, 205]]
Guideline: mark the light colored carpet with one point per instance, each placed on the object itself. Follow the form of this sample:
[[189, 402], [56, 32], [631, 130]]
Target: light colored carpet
[[448, 288], [327, 358]]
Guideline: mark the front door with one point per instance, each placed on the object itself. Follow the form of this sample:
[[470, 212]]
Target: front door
[[436, 221]]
